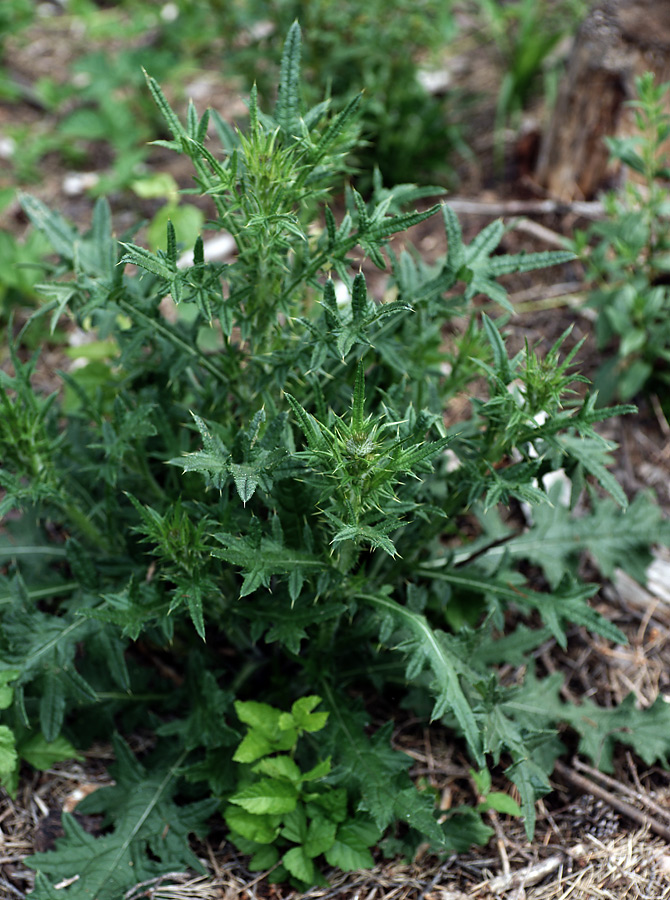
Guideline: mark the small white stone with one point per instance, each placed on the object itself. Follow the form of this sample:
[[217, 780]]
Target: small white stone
[[262, 29], [434, 81], [216, 249], [79, 338], [658, 579], [342, 295], [453, 462], [44, 10], [7, 147], [170, 12], [75, 183], [81, 79]]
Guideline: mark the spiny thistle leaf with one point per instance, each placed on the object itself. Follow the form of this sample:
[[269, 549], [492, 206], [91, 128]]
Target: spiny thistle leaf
[[147, 260], [614, 539], [308, 424], [481, 247], [455, 250], [358, 406], [527, 262], [359, 299], [171, 119], [502, 366], [288, 97], [428, 646], [593, 455], [58, 231]]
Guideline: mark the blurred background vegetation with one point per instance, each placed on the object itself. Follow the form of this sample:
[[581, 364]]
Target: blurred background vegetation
[[446, 84]]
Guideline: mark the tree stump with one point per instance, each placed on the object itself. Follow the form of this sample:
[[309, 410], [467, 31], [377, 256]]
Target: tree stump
[[619, 40]]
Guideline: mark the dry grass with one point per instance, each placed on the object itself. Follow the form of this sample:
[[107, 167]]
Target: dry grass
[[630, 866]]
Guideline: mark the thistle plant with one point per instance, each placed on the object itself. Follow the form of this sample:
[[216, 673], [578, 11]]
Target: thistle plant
[[269, 511]]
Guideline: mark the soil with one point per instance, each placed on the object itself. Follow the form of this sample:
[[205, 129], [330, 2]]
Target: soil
[[588, 843]]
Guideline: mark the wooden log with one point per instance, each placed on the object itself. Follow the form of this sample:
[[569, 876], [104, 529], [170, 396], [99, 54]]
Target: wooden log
[[619, 40]]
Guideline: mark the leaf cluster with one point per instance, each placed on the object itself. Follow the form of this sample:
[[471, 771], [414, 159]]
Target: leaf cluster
[[286, 817]]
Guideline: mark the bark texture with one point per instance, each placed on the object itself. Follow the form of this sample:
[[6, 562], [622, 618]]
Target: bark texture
[[619, 40]]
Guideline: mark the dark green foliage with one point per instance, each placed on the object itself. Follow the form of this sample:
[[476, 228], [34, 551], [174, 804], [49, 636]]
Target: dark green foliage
[[269, 506], [144, 819]]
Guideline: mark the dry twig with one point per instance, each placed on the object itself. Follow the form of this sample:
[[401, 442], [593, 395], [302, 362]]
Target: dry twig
[[590, 787], [589, 209], [525, 877], [640, 796]]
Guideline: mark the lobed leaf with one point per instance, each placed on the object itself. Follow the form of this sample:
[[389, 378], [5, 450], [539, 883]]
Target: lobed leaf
[[429, 646]]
